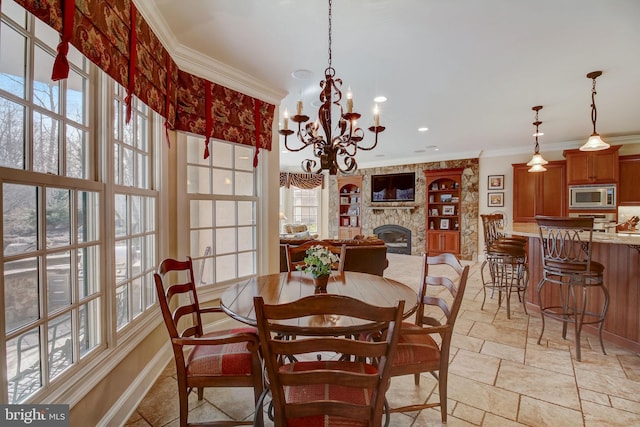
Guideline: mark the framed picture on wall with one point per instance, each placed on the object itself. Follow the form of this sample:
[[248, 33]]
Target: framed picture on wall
[[495, 182], [495, 199]]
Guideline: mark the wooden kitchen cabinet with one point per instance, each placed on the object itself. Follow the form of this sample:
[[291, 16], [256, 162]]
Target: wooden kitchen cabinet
[[539, 193], [443, 241], [629, 187], [592, 167]]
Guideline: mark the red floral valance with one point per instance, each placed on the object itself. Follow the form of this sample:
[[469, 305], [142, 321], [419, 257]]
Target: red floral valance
[[103, 32], [231, 116]]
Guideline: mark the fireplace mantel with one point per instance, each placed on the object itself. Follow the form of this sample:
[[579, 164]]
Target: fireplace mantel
[[380, 208]]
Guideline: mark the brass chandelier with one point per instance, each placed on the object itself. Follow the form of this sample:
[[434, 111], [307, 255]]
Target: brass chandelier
[[334, 152]]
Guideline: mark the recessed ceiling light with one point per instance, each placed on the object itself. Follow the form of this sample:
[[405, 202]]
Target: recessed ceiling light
[[244, 157], [302, 74], [423, 129], [285, 151], [380, 99], [431, 146]]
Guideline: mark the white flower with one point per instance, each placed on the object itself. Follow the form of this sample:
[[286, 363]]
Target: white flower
[[318, 261]]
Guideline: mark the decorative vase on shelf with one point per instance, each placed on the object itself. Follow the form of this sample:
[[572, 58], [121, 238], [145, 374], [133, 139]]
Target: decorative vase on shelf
[[321, 282]]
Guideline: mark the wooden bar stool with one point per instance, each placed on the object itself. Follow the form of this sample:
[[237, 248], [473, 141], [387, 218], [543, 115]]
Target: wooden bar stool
[[566, 262], [506, 258]]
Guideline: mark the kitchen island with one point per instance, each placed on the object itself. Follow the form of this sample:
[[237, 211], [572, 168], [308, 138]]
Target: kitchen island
[[620, 255]]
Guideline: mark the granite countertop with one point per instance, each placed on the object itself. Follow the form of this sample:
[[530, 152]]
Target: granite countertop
[[531, 230]]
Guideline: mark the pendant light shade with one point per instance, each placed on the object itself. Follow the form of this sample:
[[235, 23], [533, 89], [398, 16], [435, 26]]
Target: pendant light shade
[[536, 168], [537, 162], [594, 143]]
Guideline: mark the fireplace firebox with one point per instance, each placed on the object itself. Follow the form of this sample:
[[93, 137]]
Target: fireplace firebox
[[397, 238]]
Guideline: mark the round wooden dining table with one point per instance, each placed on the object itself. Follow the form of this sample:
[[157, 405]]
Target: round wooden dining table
[[279, 288]]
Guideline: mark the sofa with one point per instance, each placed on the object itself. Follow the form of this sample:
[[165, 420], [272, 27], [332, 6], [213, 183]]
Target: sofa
[[366, 255], [297, 231]]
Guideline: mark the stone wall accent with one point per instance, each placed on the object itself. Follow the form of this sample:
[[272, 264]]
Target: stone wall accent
[[412, 215]]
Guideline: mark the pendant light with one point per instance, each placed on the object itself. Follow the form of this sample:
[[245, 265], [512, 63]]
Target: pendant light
[[537, 162], [594, 143]]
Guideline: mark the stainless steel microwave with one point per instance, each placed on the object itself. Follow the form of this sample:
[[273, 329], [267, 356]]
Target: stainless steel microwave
[[592, 196]]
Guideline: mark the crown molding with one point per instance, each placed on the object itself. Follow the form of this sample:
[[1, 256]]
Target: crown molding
[[559, 146], [426, 158], [194, 62]]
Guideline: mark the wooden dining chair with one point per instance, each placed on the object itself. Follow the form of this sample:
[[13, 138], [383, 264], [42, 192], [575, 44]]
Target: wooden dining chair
[[227, 358], [296, 254], [307, 392], [418, 350]]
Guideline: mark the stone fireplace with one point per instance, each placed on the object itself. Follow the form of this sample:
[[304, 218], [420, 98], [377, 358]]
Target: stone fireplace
[[397, 238], [412, 215]]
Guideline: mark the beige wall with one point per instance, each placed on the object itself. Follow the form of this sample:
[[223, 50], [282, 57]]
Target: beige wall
[[501, 165], [147, 360]]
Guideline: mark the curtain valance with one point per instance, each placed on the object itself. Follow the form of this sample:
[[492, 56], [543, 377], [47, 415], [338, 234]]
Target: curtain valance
[[117, 39], [306, 181]]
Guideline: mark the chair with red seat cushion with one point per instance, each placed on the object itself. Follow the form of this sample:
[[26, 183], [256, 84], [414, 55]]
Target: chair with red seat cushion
[[418, 351], [321, 393], [226, 358]]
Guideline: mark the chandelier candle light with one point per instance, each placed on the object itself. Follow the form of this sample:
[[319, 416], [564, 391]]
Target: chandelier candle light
[[334, 152], [537, 162], [594, 143]]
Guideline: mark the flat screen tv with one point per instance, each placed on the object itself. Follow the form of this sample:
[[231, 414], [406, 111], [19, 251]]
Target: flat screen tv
[[397, 187]]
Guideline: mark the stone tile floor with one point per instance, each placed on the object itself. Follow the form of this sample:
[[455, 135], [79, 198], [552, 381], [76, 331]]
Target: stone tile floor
[[498, 375]]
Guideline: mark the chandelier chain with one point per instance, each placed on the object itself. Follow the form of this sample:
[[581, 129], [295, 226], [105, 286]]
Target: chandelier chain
[[330, 2], [537, 123], [333, 153], [594, 110]]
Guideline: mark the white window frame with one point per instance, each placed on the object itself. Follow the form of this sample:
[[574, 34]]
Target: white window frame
[[84, 374], [210, 290]]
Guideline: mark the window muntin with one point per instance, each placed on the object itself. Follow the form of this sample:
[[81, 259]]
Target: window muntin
[[134, 209], [53, 257], [49, 282], [45, 122], [222, 211], [305, 207]]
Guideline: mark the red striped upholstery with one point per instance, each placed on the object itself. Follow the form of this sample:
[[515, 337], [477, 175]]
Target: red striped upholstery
[[216, 360], [327, 392], [415, 348]]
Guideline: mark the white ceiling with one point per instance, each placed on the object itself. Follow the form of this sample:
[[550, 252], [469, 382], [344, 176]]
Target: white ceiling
[[469, 70]]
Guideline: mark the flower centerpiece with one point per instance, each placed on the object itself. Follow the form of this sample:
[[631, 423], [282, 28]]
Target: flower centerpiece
[[317, 262]]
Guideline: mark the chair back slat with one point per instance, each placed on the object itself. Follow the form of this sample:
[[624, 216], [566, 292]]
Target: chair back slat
[[424, 347], [338, 389], [222, 358], [432, 286]]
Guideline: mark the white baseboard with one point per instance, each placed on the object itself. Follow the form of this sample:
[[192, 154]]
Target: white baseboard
[[124, 407]]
